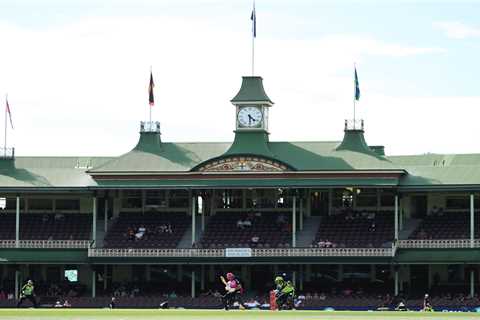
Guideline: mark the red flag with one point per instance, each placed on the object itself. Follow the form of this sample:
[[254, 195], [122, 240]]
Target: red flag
[[151, 99], [7, 110]]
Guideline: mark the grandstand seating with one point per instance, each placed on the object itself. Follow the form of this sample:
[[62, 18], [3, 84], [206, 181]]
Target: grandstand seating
[[116, 236], [450, 225], [356, 232], [35, 226], [222, 231]]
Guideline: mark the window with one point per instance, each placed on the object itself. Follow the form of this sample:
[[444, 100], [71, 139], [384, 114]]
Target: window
[[132, 199], [156, 198], [40, 204], [179, 199], [366, 198], [11, 203], [458, 203], [387, 198], [67, 204]]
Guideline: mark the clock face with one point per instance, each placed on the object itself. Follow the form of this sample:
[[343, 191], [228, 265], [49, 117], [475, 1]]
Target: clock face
[[250, 117]]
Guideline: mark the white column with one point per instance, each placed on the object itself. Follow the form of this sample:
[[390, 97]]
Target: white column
[[203, 215], [94, 222], [396, 281], [301, 214], [301, 277], [193, 218], [17, 223], [17, 283], [294, 222], [193, 284], [202, 277], [105, 227], [472, 218], [472, 283], [396, 217], [94, 283]]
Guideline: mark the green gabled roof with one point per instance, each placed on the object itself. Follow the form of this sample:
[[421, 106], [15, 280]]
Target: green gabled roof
[[175, 157], [251, 91], [50, 172]]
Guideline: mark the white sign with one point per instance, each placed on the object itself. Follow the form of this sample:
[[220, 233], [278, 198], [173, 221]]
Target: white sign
[[238, 252]]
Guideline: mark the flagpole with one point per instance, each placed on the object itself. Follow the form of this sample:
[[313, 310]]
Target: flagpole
[[354, 95], [5, 142], [149, 106], [253, 54]]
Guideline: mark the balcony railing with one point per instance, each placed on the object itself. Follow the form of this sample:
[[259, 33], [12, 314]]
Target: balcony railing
[[45, 244], [7, 153], [220, 253], [150, 126], [354, 124], [439, 244]]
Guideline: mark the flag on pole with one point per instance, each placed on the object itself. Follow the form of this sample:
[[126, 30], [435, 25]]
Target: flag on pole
[[357, 86], [253, 17], [7, 109], [151, 99]]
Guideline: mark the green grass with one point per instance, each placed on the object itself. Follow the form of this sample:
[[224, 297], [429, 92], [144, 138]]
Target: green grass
[[144, 314]]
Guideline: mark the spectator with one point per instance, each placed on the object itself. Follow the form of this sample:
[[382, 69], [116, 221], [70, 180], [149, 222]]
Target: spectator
[[172, 295], [140, 232], [130, 234], [240, 224], [255, 239], [67, 304], [45, 218], [3, 296], [322, 296], [371, 216], [434, 211], [59, 216], [372, 227], [168, 229], [328, 244]]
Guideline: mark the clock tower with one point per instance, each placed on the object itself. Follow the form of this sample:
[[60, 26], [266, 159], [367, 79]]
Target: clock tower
[[251, 106], [251, 119]]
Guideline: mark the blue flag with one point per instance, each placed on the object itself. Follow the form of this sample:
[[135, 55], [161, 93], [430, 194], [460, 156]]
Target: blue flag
[[357, 87], [253, 17]]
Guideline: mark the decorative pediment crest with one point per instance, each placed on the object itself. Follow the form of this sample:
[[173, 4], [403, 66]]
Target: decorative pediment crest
[[243, 164]]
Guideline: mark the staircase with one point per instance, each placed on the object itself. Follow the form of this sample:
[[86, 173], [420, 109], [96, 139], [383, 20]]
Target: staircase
[[307, 235], [186, 241]]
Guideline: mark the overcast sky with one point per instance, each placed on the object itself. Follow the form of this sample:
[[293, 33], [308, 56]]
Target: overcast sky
[[76, 72]]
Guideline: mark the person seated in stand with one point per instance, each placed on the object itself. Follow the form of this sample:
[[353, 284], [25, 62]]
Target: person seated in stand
[[45, 218], [328, 244], [140, 232], [240, 224], [59, 216], [255, 239], [372, 227], [321, 244], [130, 234], [247, 223], [349, 216], [434, 211], [322, 296], [371, 216]]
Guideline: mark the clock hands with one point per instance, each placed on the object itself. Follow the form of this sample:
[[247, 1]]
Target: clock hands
[[250, 119]]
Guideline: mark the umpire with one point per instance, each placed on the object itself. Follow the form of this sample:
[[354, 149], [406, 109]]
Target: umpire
[[27, 293]]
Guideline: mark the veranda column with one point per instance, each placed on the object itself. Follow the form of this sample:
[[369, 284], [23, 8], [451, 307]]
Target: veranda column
[[94, 222], [294, 222], [396, 280], [472, 282], [396, 217], [94, 283], [472, 219], [193, 284], [193, 206], [301, 214], [17, 223], [105, 227], [17, 282], [202, 277]]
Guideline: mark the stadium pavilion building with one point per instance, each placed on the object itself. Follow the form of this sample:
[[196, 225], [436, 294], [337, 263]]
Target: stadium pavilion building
[[177, 215]]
